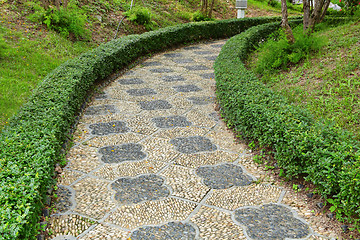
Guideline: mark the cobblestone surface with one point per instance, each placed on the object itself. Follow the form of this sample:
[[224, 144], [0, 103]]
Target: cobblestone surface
[[124, 152], [143, 188], [194, 144], [108, 128], [223, 176], [202, 100], [152, 159], [64, 201], [271, 221], [171, 122], [100, 110], [187, 88], [171, 230], [155, 105]]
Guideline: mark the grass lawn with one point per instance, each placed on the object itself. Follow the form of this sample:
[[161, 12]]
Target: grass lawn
[[26, 57], [327, 83]]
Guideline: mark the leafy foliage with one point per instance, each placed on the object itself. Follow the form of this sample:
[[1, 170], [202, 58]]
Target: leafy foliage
[[199, 16], [278, 53], [139, 15], [31, 143], [65, 21], [325, 154]]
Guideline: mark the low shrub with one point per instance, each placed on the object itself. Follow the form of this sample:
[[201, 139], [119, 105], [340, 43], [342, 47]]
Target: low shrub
[[65, 21], [140, 15], [32, 142], [277, 53], [199, 17], [326, 155]]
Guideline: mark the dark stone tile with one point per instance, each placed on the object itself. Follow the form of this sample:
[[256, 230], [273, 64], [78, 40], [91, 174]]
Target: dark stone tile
[[141, 92], [121, 153], [171, 122], [154, 63], [195, 144], [171, 230], [187, 88], [161, 70], [203, 100], [175, 78], [129, 81], [211, 58], [217, 45], [207, 75], [223, 176], [142, 188], [129, 73], [196, 68], [155, 105], [100, 96], [183, 60], [109, 128], [173, 55], [63, 203], [271, 221], [215, 116], [100, 110], [192, 48], [203, 52]]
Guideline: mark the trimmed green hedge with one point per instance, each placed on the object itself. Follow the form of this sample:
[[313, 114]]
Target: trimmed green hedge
[[31, 144], [324, 154]]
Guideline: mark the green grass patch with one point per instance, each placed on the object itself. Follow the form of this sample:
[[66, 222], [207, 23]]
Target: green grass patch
[[24, 63], [275, 6], [328, 82]]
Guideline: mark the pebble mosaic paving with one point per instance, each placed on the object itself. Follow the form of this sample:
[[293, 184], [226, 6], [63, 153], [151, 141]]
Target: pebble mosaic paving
[[152, 159]]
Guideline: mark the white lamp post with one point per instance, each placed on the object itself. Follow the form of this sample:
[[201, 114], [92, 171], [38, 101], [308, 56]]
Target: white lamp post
[[241, 5]]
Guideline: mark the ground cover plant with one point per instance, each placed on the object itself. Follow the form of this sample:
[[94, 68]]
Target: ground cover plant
[[25, 60], [319, 151], [327, 83]]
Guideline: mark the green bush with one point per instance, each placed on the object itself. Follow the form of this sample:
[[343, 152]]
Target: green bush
[[140, 15], [326, 155], [199, 17], [65, 21], [278, 53], [31, 143], [274, 3]]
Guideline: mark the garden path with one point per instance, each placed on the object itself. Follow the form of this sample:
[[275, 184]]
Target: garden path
[[153, 160]]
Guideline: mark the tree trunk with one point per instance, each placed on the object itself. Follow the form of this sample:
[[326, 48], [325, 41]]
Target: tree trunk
[[285, 23], [211, 8], [326, 6], [65, 3], [57, 4], [306, 8], [45, 3], [314, 13]]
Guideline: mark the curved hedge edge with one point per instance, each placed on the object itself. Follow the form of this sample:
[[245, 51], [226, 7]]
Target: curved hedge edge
[[30, 145], [326, 155]]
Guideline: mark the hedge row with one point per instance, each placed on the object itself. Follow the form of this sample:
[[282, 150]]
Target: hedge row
[[324, 154], [32, 142]]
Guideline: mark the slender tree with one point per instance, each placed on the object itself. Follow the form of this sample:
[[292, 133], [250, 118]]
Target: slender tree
[[57, 3], [211, 9], [285, 22], [314, 12]]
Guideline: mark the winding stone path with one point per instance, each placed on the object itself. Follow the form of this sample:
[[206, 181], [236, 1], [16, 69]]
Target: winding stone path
[[152, 160]]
